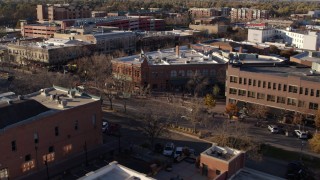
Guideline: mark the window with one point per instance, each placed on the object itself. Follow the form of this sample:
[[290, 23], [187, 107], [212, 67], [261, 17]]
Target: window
[[284, 87], [301, 90], [56, 131], [306, 91], [244, 80], [311, 92], [269, 85], [279, 87], [260, 95], [281, 100], [27, 158], [250, 82], [233, 79], [240, 80], [205, 72], [264, 84], [242, 92], [181, 73], [189, 73], [51, 149], [259, 83], [218, 172], [173, 73], [293, 89], [317, 93], [76, 125], [251, 94], [13, 146], [313, 106], [67, 148], [94, 120], [291, 101], [28, 166], [274, 86], [232, 91], [36, 138], [4, 174], [212, 72], [271, 98], [254, 82]]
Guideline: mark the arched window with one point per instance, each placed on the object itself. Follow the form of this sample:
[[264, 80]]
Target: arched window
[[189, 73], [181, 73], [173, 73]]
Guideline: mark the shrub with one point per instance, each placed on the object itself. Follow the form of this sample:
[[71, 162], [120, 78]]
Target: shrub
[[314, 143]]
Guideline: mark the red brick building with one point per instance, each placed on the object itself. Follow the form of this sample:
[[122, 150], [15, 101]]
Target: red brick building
[[45, 128], [221, 162], [171, 69]]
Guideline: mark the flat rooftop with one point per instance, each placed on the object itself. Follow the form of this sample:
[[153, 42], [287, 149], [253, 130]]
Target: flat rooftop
[[283, 71], [53, 97], [169, 57], [250, 174], [222, 153], [306, 56], [115, 171]]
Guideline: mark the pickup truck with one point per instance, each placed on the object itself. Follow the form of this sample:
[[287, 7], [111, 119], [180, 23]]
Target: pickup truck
[[301, 134]]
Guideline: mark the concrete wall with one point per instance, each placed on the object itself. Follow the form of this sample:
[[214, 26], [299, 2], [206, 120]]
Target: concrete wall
[[211, 29], [23, 135]]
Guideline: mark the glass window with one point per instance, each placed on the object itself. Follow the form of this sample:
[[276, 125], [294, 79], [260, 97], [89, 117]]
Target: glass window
[[173, 73], [56, 131], [189, 73], [13, 146], [306, 91]]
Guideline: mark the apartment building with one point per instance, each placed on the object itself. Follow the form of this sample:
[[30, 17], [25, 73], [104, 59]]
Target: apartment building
[[46, 128], [52, 12], [221, 162], [52, 51], [272, 83], [308, 40], [204, 12], [170, 69], [246, 14]]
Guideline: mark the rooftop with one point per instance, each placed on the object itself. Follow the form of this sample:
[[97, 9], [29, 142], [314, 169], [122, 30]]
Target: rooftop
[[223, 153], [312, 56], [170, 57], [39, 103], [284, 71], [250, 174], [115, 171]]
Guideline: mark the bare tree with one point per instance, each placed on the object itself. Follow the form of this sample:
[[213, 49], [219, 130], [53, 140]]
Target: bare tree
[[317, 120], [197, 84], [258, 110], [153, 126]]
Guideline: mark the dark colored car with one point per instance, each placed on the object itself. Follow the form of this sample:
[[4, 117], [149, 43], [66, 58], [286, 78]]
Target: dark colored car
[[298, 171]]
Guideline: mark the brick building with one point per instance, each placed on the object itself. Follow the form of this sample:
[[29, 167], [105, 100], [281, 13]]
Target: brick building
[[221, 162], [208, 12], [170, 69], [272, 83], [246, 14], [62, 11], [47, 127]]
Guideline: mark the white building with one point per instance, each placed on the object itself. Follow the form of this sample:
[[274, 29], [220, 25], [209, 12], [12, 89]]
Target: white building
[[302, 40]]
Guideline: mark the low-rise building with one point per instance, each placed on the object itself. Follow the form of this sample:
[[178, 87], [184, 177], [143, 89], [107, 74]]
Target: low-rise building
[[52, 51], [46, 128], [269, 81], [303, 40], [170, 69], [221, 162], [210, 28], [247, 14]]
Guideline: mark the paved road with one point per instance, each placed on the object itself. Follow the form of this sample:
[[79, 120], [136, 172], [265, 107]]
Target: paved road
[[131, 135]]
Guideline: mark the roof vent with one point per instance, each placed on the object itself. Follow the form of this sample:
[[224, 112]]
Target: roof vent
[[9, 102]]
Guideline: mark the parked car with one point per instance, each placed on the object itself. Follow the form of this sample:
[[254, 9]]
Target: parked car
[[273, 128], [168, 149], [178, 152], [109, 127], [301, 134]]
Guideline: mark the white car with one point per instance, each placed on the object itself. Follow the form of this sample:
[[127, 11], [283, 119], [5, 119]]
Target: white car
[[273, 128], [104, 126], [168, 149], [301, 134]]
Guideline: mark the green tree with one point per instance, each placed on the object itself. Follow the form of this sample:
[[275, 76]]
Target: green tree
[[209, 100], [274, 49], [215, 90]]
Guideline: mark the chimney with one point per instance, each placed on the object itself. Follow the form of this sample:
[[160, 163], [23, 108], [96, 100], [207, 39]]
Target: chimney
[[177, 50]]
